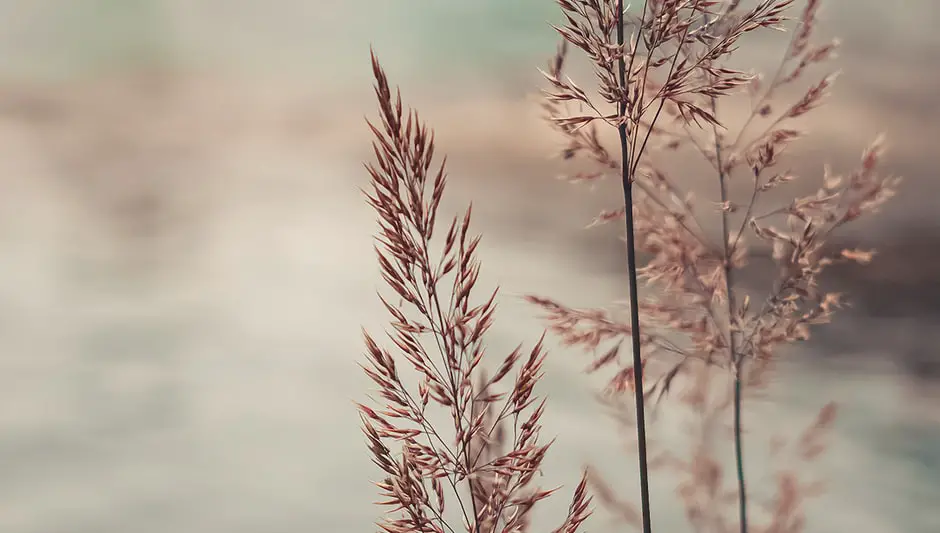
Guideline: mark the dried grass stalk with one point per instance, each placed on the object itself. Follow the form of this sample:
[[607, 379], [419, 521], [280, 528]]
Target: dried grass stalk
[[436, 471], [698, 320]]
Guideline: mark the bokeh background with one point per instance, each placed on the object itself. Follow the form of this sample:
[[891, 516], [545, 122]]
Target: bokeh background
[[186, 257]]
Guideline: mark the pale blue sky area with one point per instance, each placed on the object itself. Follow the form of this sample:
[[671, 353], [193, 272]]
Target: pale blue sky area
[[306, 38]]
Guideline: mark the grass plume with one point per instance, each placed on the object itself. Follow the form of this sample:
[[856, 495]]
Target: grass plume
[[438, 331], [696, 320]]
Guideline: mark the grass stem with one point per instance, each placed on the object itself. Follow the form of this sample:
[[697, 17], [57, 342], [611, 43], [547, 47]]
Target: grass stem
[[627, 182]]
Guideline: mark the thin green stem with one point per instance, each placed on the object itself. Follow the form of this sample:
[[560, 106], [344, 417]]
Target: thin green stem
[[738, 451], [627, 183], [736, 359]]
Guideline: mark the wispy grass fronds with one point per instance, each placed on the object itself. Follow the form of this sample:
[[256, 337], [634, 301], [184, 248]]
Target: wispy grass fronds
[[477, 471], [460, 447], [662, 90]]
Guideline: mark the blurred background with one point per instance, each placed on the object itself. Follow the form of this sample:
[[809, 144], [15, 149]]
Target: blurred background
[[186, 257]]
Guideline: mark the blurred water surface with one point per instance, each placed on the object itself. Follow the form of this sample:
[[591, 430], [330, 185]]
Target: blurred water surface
[[187, 259]]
